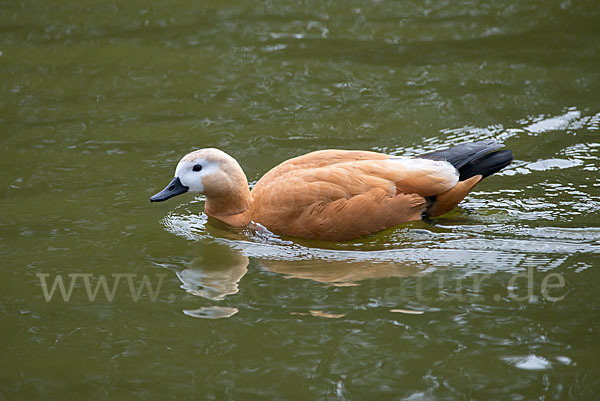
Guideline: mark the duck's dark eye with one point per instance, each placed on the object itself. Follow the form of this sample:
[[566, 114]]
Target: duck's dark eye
[[197, 167]]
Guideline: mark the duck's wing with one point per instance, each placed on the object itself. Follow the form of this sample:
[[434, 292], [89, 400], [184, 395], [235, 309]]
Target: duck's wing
[[350, 198], [320, 159], [356, 170]]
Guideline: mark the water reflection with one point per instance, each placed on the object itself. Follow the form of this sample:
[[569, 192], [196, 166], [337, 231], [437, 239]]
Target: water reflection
[[340, 272], [215, 274], [211, 312]]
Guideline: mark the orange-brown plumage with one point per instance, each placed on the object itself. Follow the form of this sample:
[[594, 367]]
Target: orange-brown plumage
[[332, 195]]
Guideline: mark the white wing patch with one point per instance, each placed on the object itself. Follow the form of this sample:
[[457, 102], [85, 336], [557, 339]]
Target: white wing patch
[[441, 168]]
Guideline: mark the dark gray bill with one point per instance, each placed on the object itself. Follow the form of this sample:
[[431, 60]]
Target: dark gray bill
[[174, 188]]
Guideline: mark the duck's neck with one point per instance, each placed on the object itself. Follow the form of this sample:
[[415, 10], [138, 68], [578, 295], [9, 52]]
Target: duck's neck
[[233, 208]]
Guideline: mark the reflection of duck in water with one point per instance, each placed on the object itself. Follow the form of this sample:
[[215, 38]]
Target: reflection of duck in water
[[215, 274], [337, 195], [340, 273]]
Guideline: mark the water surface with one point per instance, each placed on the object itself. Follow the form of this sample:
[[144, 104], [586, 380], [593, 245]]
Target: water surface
[[99, 100]]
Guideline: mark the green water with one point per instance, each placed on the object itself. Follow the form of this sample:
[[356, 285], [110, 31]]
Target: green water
[[100, 99]]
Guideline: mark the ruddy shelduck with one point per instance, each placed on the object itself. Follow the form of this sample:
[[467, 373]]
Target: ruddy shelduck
[[336, 195]]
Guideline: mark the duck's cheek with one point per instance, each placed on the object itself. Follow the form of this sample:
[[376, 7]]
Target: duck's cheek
[[194, 183]]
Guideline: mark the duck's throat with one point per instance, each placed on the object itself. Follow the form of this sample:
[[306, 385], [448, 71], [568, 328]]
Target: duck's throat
[[233, 209]]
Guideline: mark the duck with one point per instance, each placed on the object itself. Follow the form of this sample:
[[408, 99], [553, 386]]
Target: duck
[[337, 195]]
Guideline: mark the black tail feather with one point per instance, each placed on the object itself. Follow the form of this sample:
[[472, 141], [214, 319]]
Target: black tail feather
[[482, 157], [486, 165]]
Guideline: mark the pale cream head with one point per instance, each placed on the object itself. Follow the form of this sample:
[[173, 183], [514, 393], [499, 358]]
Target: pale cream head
[[215, 174], [210, 171]]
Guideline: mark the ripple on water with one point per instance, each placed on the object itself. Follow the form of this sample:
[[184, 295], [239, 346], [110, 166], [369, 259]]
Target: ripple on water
[[211, 312], [478, 249], [530, 362]]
